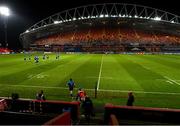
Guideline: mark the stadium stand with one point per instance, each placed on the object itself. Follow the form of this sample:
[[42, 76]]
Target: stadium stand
[[109, 39]]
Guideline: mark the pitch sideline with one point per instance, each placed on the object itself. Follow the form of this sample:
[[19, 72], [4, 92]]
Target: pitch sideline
[[101, 90]]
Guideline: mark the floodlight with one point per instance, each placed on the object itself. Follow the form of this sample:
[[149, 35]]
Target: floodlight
[[136, 16], [101, 16], [56, 22], [157, 18], [4, 11], [27, 31], [106, 15]]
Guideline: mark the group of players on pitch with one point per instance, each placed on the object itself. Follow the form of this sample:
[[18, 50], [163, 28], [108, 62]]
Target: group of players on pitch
[[36, 57]]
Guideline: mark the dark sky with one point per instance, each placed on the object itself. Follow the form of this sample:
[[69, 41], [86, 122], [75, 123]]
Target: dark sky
[[25, 13]]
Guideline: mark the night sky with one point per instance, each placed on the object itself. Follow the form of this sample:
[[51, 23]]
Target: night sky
[[25, 13]]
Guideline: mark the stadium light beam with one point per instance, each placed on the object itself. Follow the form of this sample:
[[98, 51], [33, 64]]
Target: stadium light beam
[[157, 18], [56, 22], [27, 31], [4, 11]]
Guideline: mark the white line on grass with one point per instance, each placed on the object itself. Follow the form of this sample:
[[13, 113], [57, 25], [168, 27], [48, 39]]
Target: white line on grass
[[145, 67], [141, 92], [169, 82], [100, 70], [172, 80], [106, 77], [101, 90]]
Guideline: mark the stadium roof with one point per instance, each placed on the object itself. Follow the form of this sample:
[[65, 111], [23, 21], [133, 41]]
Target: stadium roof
[[106, 10]]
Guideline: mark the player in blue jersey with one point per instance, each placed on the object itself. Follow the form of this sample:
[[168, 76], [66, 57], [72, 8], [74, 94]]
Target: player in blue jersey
[[36, 58], [71, 86]]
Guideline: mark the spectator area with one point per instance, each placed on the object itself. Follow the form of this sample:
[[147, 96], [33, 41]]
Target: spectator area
[[39, 112], [140, 115], [68, 113], [107, 39]]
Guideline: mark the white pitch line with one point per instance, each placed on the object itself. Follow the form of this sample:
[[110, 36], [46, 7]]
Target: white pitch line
[[141, 92], [100, 70], [171, 80], [102, 77], [145, 67], [101, 90]]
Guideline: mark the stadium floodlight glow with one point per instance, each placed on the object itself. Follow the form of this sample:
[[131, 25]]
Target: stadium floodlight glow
[[172, 21], [4, 11], [157, 18], [74, 19], [101, 16], [136, 16], [27, 31], [56, 22], [106, 15]]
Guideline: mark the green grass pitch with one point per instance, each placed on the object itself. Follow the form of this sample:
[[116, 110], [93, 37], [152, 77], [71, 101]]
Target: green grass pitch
[[154, 79]]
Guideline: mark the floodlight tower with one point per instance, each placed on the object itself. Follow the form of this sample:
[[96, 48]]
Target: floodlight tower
[[4, 11]]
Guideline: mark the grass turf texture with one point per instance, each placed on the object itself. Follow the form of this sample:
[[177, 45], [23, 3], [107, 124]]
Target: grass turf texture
[[154, 79]]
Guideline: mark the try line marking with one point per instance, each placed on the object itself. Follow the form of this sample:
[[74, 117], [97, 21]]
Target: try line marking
[[101, 90], [100, 70]]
